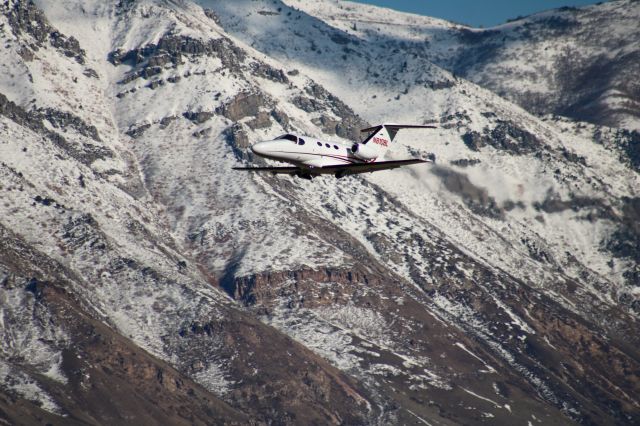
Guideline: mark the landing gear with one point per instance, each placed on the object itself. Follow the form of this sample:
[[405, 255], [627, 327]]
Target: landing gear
[[303, 175]]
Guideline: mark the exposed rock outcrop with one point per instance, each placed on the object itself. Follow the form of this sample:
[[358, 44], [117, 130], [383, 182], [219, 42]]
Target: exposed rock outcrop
[[34, 120], [504, 136], [25, 18]]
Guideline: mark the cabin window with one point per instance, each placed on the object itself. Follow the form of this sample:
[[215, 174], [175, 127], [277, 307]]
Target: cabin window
[[289, 137], [336, 147], [300, 141], [319, 144], [327, 145]]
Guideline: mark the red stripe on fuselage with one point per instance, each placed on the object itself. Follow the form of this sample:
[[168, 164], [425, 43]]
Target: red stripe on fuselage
[[344, 158]]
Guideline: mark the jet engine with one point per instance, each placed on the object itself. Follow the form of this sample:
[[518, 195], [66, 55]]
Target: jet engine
[[364, 152]]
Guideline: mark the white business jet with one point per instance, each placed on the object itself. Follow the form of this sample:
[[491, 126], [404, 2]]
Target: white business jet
[[312, 157]]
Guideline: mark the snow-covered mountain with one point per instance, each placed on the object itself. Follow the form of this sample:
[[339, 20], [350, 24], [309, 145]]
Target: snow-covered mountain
[[144, 281], [580, 63]]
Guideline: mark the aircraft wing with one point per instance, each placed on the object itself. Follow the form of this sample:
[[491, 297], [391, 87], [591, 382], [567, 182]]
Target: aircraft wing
[[352, 169], [339, 170], [274, 170]]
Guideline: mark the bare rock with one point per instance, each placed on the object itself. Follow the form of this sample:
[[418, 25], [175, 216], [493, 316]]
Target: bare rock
[[243, 105]]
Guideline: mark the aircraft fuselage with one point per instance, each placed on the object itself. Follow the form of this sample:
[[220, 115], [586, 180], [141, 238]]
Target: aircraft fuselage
[[306, 152]]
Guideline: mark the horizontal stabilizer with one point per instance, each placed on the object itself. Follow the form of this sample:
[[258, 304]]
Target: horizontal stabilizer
[[397, 127]]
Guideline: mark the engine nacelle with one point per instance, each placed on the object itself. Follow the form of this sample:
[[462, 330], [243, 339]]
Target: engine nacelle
[[364, 152]]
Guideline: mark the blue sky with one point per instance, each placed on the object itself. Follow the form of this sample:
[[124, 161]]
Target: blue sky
[[476, 12]]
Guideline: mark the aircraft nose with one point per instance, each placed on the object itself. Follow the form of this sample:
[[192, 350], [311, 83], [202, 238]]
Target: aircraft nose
[[259, 148]]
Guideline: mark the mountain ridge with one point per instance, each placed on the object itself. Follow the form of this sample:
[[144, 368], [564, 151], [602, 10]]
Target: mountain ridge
[[578, 61]]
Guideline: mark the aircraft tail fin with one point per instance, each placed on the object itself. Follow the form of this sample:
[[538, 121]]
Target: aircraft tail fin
[[380, 137]]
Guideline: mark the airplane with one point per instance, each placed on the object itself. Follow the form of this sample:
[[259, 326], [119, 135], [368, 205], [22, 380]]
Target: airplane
[[312, 157]]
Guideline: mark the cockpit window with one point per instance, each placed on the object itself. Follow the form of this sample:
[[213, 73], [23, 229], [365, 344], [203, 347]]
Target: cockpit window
[[289, 137], [300, 141]]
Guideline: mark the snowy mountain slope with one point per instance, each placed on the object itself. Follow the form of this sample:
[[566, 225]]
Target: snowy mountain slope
[[385, 27], [277, 221], [267, 13], [444, 294], [473, 112], [61, 363], [576, 62], [111, 244]]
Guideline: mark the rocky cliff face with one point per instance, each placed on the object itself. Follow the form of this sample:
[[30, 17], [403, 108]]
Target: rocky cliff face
[[142, 281]]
